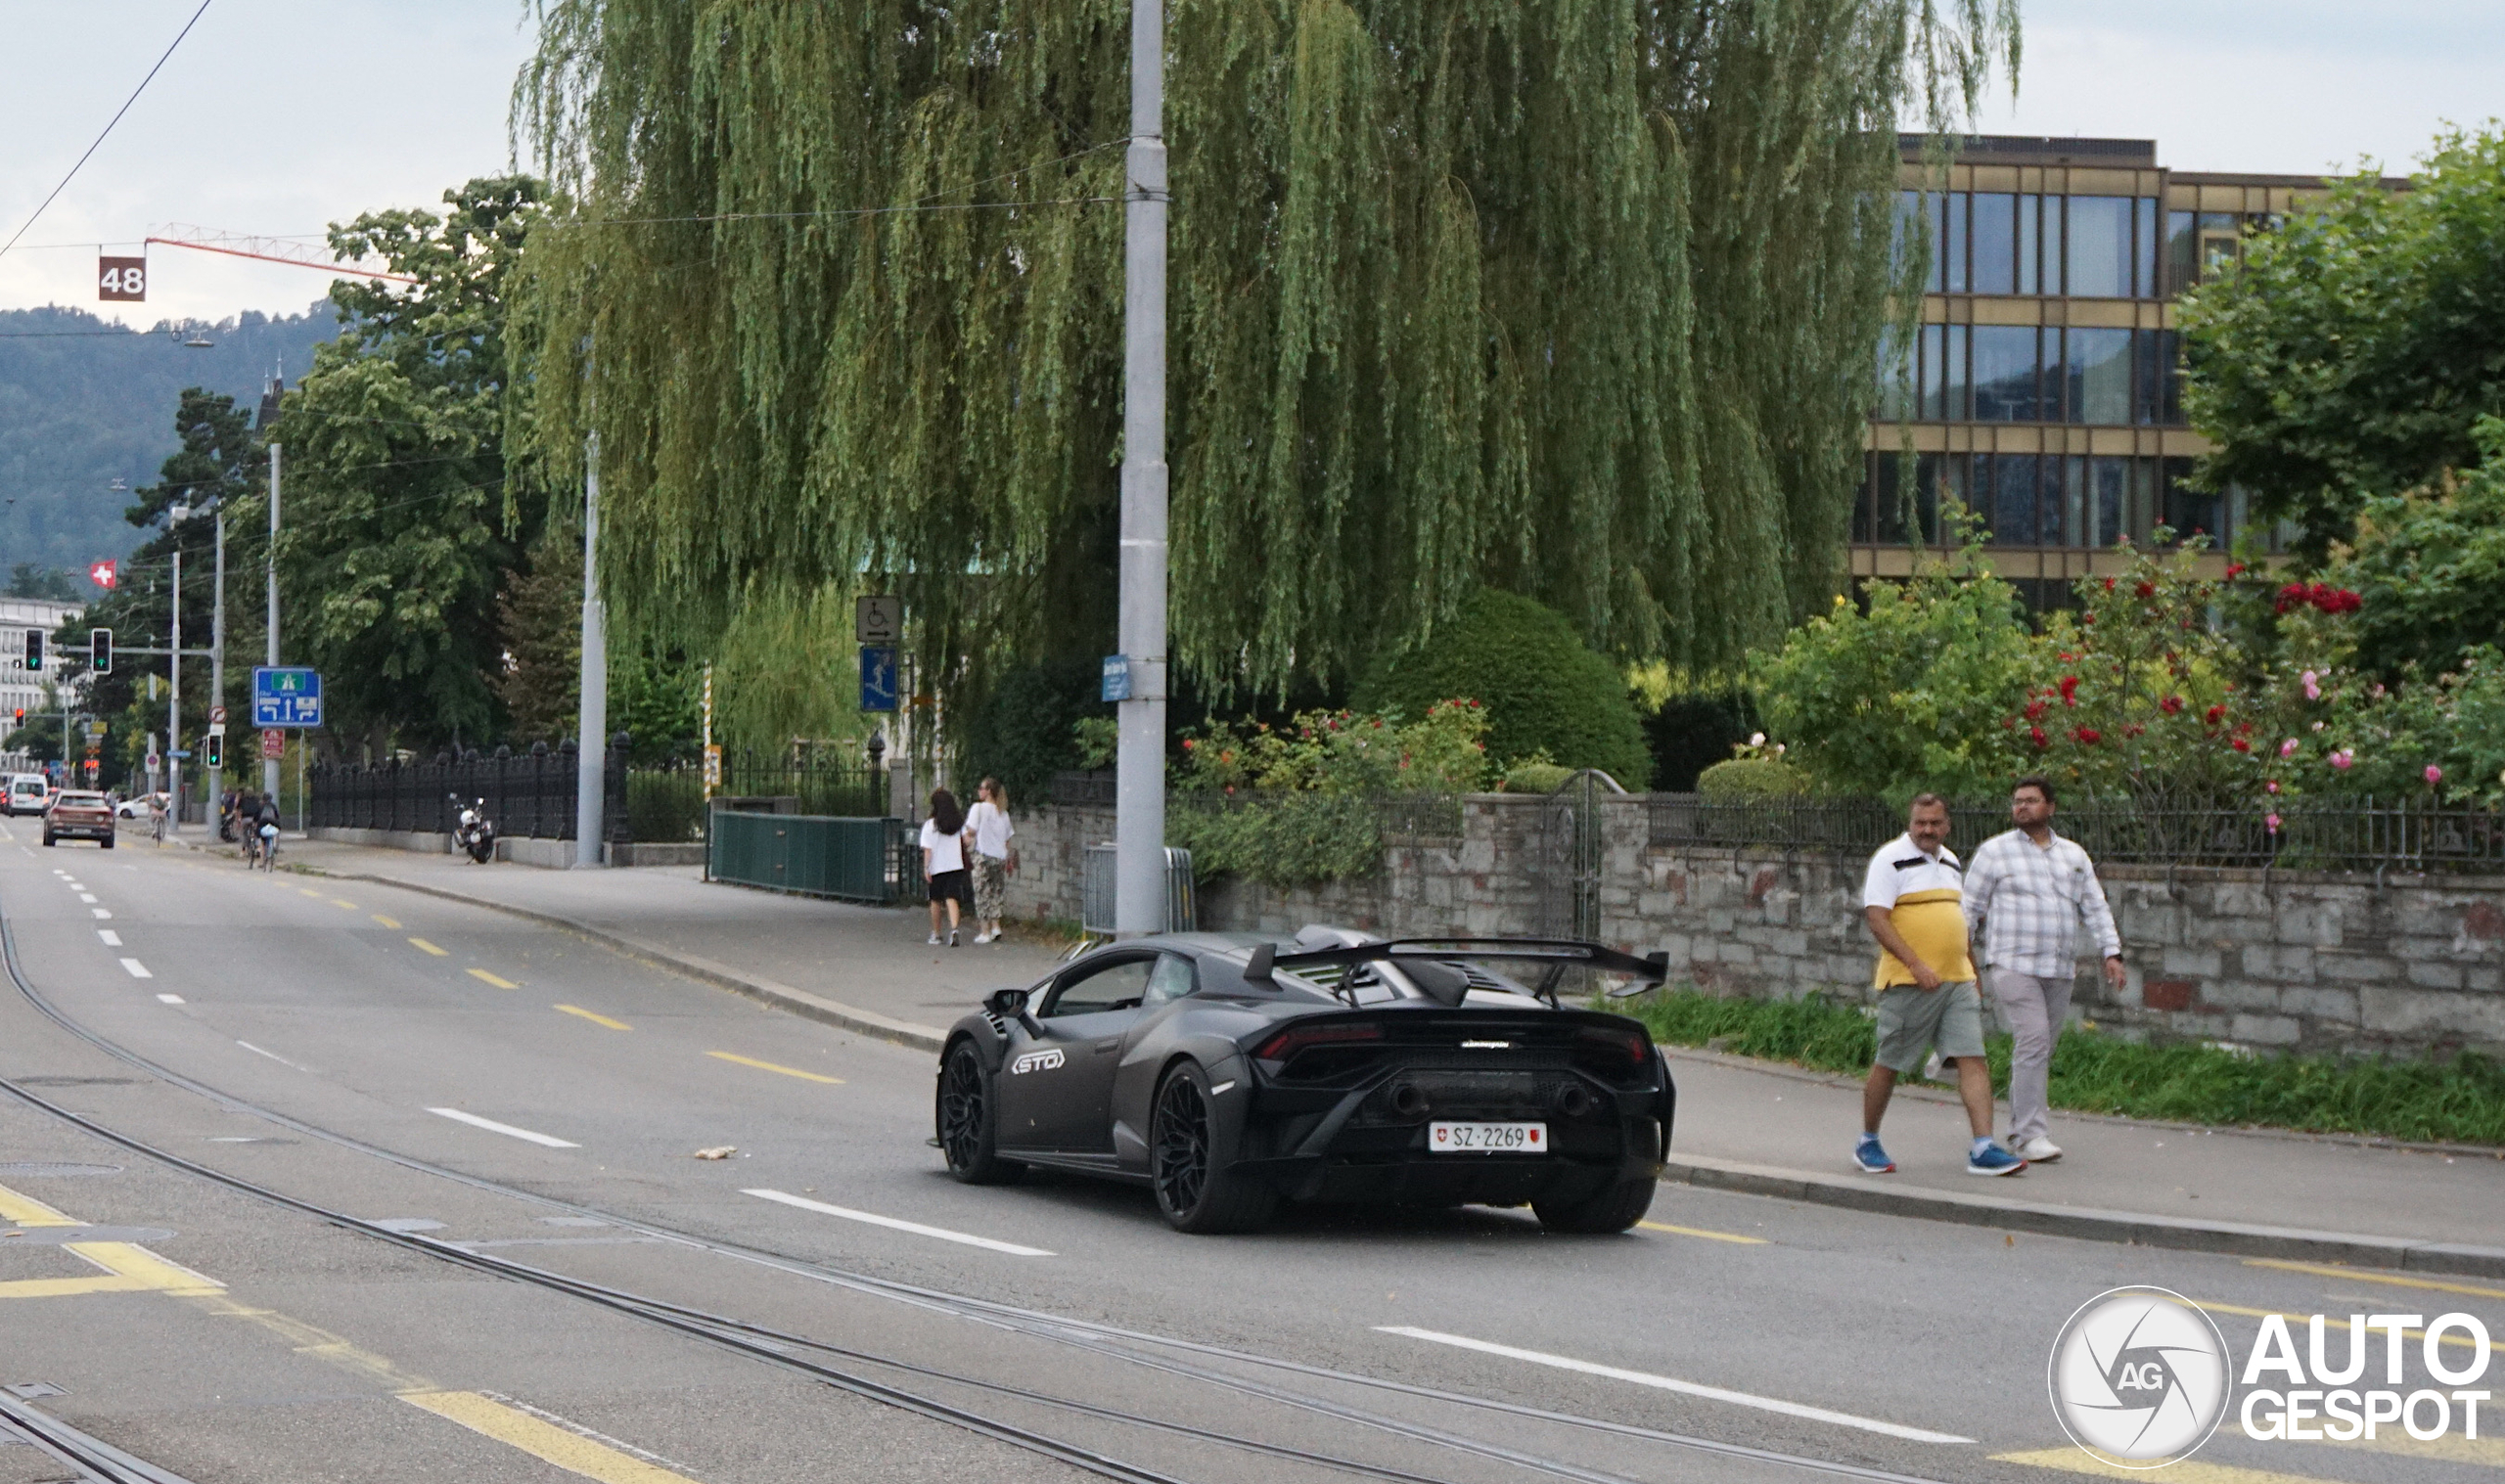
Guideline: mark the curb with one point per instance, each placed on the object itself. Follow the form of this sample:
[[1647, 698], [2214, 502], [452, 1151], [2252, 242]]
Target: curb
[[2087, 1223], [784, 997]]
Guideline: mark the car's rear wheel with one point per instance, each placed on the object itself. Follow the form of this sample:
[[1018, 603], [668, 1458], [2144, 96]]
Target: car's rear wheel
[[1610, 1209], [49, 840], [106, 842], [969, 1119], [1187, 1165]]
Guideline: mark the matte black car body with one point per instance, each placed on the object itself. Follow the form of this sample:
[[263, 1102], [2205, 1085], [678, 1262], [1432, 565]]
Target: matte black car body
[[1318, 1065]]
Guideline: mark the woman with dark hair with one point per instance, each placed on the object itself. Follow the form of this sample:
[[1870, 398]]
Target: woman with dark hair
[[943, 861]]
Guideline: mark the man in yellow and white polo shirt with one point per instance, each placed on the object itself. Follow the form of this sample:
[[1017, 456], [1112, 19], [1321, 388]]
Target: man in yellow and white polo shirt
[[1913, 898]]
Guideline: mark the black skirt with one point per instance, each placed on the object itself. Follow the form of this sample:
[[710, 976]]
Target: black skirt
[[952, 886]]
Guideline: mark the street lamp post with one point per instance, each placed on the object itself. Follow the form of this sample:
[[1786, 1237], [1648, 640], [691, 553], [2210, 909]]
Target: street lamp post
[[269, 568]]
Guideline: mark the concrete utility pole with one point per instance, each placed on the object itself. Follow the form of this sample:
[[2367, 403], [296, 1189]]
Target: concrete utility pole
[[1139, 759], [173, 702], [592, 744], [269, 567], [217, 656]]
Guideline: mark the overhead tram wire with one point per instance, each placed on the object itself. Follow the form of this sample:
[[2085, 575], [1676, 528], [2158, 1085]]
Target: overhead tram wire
[[109, 127], [1084, 1334]]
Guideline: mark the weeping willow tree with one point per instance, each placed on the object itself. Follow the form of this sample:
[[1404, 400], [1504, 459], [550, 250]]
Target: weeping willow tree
[[1580, 298]]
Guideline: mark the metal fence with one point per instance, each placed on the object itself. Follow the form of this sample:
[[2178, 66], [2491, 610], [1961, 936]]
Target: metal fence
[[852, 860], [1081, 791], [821, 785], [530, 796], [1097, 889], [2347, 835]]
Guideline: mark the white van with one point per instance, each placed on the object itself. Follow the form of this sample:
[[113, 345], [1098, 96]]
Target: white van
[[27, 792]]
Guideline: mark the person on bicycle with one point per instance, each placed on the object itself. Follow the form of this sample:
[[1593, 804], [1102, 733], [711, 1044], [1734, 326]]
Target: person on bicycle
[[157, 817], [247, 814], [264, 826]]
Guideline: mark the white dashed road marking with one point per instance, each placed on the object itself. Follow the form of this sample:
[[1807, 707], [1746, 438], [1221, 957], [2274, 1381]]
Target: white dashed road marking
[[112, 938], [1684, 1388], [506, 1129], [891, 1222], [169, 999], [138, 970]]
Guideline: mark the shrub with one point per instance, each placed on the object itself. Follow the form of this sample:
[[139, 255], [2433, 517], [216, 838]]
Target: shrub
[[1544, 690], [1745, 779], [1537, 774], [1020, 732]]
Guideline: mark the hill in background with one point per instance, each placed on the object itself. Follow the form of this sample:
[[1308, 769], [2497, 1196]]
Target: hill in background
[[84, 403]]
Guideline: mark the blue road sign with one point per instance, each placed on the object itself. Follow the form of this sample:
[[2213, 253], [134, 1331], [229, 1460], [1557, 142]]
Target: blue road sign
[[878, 678], [286, 697], [1117, 677]]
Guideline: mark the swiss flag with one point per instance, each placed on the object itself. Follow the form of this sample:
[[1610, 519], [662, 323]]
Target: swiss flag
[[105, 573]]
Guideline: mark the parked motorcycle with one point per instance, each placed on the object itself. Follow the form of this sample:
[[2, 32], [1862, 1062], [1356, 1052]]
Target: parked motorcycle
[[473, 830]]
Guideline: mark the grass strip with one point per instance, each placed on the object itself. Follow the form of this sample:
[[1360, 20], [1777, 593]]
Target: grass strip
[[2460, 1100]]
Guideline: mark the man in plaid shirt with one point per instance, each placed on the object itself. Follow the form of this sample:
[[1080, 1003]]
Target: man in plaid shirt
[[2028, 890]]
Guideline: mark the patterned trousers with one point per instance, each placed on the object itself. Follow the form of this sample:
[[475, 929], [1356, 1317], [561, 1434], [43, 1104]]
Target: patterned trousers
[[991, 886]]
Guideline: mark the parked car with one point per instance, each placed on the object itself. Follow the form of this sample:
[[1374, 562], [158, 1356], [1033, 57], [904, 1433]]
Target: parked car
[[79, 814], [29, 794], [137, 808]]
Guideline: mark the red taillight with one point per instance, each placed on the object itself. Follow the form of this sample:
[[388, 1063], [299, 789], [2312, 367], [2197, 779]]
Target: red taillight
[[1610, 1044], [1295, 1038]]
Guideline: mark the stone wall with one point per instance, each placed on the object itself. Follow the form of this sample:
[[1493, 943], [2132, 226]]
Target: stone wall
[[2318, 962]]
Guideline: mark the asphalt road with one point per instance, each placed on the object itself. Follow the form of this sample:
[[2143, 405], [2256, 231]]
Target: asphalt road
[[226, 1340]]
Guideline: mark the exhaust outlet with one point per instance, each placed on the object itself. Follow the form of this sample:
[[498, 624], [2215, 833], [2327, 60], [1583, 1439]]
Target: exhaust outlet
[[1574, 1101], [1408, 1099]]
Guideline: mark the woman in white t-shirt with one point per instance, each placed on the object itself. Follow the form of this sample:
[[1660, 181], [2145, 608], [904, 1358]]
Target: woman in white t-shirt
[[943, 860], [988, 823]]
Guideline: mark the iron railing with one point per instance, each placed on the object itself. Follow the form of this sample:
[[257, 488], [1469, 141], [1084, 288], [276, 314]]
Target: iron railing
[[1099, 890], [852, 860], [1081, 791], [530, 796], [2346, 834], [816, 785]]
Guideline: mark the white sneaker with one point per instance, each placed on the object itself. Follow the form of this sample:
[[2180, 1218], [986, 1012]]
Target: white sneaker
[[935, 940], [982, 938], [2039, 1151]]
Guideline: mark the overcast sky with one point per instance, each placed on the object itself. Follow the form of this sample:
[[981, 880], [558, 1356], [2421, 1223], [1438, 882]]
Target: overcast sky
[[280, 117]]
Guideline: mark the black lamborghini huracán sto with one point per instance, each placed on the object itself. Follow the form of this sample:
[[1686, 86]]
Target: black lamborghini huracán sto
[[1230, 1071]]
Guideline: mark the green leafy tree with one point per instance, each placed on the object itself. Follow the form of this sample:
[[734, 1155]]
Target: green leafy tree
[[403, 513], [2429, 567], [2356, 349], [1548, 696], [1577, 299], [28, 579]]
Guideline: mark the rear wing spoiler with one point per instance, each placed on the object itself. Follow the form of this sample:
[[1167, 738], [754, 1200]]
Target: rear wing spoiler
[[1559, 954]]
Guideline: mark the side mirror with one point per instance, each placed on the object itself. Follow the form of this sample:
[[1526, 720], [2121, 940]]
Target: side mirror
[[1005, 1003]]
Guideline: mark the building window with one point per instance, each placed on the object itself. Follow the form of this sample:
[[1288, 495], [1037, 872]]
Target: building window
[[2144, 219], [2097, 377], [1895, 377], [1995, 243], [2182, 252], [2004, 375], [1908, 221], [1952, 239], [2100, 247], [2031, 244], [2012, 515], [2192, 512], [2218, 242]]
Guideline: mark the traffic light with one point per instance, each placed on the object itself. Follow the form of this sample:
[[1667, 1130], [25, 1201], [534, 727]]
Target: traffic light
[[35, 651], [22, 716], [100, 647], [212, 752]]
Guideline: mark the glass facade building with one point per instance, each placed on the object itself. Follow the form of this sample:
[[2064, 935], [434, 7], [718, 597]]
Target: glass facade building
[[2041, 389]]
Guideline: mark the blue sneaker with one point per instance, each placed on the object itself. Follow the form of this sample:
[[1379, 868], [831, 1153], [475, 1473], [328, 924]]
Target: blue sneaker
[[1993, 1159], [1870, 1160]]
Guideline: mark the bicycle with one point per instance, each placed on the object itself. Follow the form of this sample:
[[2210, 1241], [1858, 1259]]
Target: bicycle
[[252, 848], [269, 847]]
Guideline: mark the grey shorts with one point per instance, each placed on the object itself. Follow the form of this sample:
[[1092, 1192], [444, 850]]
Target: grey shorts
[[1912, 1020]]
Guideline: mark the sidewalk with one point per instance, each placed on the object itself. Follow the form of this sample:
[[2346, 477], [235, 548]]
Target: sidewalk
[[1747, 1126]]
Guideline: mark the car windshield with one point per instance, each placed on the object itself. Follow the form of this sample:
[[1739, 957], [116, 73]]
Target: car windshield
[[82, 799]]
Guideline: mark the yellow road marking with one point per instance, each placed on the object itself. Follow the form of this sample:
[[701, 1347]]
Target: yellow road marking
[[2331, 1269], [768, 1066], [422, 946], [351, 905], [2337, 1323], [128, 1269], [577, 1010], [307, 891], [386, 922], [1664, 1226], [480, 974], [27, 1211], [2189, 1471], [2486, 1453], [568, 1451]]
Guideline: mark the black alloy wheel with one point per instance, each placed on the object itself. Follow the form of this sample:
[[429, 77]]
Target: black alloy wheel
[[1610, 1209], [967, 1116], [1194, 1191]]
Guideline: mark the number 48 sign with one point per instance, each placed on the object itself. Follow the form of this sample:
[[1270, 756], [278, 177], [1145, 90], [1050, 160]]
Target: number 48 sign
[[122, 278]]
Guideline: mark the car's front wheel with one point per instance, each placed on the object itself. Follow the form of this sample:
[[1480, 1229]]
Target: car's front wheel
[[1610, 1209], [969, 1119], [49, 840], [1188, 1164]]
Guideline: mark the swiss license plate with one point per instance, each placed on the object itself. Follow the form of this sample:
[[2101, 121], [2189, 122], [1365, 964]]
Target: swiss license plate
[[1488, 1138]]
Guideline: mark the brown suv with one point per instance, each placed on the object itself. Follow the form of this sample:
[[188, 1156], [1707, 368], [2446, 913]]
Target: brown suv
[[79, 816]]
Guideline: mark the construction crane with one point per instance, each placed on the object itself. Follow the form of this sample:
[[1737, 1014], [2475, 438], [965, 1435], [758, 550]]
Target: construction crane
[[269, 250]]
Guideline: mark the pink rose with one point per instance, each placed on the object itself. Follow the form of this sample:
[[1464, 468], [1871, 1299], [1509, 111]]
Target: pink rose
[[2313, 686], [2434, 775], [2342, 759], [2288, 748], [2272, 821]]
